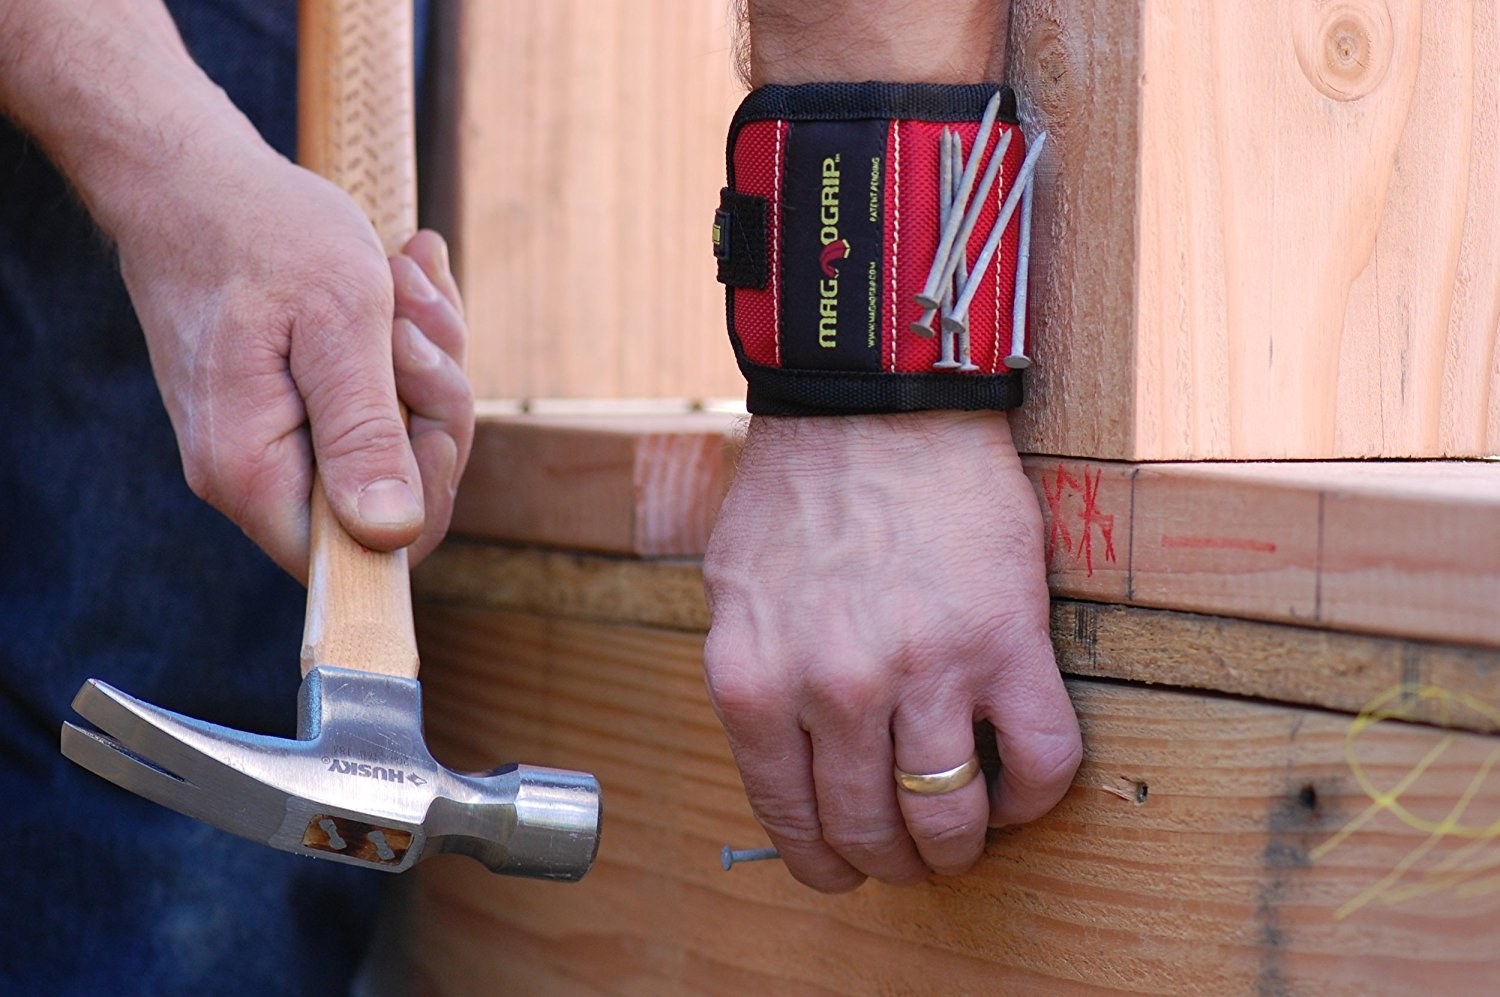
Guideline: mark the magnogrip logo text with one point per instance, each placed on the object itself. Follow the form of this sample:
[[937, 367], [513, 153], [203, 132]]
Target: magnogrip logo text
[[835, 250]]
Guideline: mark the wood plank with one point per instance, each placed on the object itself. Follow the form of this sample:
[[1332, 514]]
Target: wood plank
[[1209, 845], [1409, 549], [578, 158], [1075, 66], [1289, 664], [649, 485], [1267, 228]]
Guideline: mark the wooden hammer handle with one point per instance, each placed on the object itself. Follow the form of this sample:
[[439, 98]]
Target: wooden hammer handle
[[356, 126]]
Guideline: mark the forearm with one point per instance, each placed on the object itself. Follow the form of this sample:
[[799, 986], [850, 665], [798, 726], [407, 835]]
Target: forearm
[[898, 41], [110, 93]]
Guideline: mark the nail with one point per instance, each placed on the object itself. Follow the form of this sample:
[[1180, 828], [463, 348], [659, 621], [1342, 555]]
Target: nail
[[923, 326], [946, 361], [929, 296], [729, 856], [961, 310], [388, 502], [1018, 359], [971, 213]]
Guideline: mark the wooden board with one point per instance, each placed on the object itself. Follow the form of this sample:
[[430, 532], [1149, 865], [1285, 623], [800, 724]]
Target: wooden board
[[1289, 664], [647, 485], [1409, 549], [576, 163], [1209, 845], [1268, 228]]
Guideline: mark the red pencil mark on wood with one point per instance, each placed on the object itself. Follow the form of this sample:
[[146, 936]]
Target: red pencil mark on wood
[[1093, 517], [1219, 543], [1066, 494], [1058, 534]]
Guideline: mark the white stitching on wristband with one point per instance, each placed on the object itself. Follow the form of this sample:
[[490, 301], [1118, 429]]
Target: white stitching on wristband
[[895, 235], [781, 126]]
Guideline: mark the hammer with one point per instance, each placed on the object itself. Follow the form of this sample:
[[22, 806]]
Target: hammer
[[358, 784]]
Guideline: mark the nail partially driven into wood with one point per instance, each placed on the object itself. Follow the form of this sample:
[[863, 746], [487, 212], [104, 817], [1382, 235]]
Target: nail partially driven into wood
[[729, 856], [931, 296], [956, 319]]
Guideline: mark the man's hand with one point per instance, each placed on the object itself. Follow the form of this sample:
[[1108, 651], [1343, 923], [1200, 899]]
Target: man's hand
[[268, 304], [270, 312], [877, 586]]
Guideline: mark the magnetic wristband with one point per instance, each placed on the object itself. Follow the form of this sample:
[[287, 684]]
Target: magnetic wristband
[[831, 228]]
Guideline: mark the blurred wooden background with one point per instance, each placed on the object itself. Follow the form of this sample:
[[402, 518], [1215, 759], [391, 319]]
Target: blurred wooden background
[[1263, 231], [575, 164]]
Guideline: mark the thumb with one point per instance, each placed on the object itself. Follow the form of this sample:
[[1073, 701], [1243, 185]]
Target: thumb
[[343, 368]]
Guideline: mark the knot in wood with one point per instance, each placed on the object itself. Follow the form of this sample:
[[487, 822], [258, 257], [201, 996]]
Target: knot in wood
[[1055, 73], [1344, 47]]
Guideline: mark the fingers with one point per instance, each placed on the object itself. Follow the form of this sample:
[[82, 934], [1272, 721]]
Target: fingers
[[434, 389], [341, 362], [430, 339], [849, 724], [1036, 731], [774, 755], [947, 828], [427, 295]]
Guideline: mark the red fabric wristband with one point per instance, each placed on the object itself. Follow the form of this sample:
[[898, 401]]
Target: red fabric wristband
[[828, 230]]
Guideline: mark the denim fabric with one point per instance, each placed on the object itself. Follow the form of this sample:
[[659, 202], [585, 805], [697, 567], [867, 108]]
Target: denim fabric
[[110, 568]]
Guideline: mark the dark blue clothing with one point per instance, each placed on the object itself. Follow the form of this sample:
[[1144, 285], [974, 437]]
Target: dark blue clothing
[[110, 568]]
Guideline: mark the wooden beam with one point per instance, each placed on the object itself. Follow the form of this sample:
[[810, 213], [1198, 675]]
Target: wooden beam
[[1404, 548], [646, 485], [1290, 664], [1268, 229], [1410, 549], [1209, 845]]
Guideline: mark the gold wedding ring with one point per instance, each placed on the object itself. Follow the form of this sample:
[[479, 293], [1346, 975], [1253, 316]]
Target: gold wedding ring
[[937, 783]]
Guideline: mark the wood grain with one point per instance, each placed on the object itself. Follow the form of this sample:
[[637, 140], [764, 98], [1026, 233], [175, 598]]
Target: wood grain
[[1410, 549], [356, 127], [583, 156], [648, 485], [1076, 66], [1289, 664], [1209, 845], [1269, 228]]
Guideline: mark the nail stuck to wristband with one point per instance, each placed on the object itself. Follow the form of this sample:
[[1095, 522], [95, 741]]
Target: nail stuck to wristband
[[869, 240]]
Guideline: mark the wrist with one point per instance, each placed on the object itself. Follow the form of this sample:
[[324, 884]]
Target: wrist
[[894, 41], [820, 444]]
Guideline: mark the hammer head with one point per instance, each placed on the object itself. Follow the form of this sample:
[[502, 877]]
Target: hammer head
[[358, 785]]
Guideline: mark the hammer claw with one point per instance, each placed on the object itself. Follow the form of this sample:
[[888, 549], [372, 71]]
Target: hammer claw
[[181, 757], [150, 732], [109, 759]]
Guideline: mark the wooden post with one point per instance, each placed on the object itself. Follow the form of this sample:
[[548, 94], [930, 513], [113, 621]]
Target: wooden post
[[1265, 230]]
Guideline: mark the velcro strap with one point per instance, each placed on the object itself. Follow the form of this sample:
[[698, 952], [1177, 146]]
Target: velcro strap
[[828, 231]]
